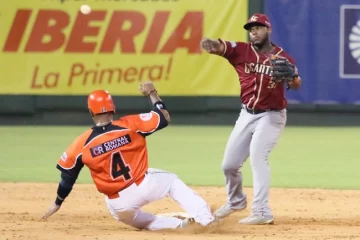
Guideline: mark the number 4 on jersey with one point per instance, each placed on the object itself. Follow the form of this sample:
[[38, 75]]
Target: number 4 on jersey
[[119, 168]]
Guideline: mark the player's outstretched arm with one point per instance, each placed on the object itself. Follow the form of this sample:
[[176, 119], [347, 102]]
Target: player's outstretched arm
[[213, 46], [70, 168], [64, 189], [158, 118], [148, 89]]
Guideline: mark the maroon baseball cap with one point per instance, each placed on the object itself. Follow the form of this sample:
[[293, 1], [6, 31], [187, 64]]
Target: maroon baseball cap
[[258, 19]]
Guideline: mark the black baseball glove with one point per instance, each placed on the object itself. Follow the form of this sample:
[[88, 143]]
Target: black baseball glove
[[282, 70]]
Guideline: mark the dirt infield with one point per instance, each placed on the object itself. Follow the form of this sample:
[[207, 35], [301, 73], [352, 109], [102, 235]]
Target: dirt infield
[[299, 214]]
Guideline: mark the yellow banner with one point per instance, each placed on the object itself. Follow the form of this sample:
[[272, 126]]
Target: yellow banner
[[50, 47]]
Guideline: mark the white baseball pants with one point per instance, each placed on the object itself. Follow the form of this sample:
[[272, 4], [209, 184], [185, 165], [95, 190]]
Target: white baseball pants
[[157, 185]]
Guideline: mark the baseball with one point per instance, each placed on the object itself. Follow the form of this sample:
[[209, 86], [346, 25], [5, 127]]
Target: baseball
[[85, 9]]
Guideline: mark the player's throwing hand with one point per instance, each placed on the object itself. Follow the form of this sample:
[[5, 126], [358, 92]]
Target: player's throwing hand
[[210, 45]]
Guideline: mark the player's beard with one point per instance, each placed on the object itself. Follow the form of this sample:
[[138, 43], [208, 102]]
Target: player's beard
[[260, 45]]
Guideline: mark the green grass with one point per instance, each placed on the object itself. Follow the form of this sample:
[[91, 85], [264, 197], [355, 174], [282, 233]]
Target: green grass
[[304, 157]]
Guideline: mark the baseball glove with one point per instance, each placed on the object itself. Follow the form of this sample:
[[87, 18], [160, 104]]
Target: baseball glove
[[282, 70]]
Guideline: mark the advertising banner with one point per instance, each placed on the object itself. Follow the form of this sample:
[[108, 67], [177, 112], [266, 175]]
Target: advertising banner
[[50, 47], [324, 39]]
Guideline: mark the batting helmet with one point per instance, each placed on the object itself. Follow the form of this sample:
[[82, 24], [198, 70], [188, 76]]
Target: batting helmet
[[100, 101]]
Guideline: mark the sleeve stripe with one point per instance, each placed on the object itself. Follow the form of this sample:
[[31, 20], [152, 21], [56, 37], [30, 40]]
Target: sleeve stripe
[[280, 51]]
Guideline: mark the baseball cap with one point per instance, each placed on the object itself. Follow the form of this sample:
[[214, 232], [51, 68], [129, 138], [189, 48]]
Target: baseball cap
[[257, 19]]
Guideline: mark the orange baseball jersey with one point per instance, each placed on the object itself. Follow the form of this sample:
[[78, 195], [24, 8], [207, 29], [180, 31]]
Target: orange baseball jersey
[[116, 154]]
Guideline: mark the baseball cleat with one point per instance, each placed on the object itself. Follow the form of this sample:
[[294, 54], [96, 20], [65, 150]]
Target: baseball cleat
[[186, 222], [226, 210], [257, 220]]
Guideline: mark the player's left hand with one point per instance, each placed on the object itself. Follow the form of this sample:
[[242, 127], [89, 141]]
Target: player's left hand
[[282, 70], [53, 209], [146, 88]]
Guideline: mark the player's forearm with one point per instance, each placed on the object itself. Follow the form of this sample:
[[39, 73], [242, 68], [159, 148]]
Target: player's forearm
[[64, 187], [213, 46], [62, 193], [154, 98], [220, 47]]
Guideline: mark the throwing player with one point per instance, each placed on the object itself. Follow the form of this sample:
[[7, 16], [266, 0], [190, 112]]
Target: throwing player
[[115, 152], [263, 69]]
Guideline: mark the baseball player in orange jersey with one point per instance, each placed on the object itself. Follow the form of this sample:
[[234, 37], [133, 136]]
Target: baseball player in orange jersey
[[115, 152]]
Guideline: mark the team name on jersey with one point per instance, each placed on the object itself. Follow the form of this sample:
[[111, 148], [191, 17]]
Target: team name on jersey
[[257, 68], [110, 145]]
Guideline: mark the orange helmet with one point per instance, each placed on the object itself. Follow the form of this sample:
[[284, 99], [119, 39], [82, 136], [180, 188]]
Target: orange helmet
[[100, 101]]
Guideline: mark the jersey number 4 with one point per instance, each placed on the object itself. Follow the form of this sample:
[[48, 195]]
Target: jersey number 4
[[119, 168]]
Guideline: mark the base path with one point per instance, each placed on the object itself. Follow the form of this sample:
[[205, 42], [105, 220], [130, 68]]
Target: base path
[[299, 214]]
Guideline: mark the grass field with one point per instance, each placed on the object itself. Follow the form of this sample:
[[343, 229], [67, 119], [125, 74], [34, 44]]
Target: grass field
[[309, 158], [304, 157]]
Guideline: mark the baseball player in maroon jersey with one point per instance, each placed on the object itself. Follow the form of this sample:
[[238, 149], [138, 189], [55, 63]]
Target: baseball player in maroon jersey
[[264, 71]]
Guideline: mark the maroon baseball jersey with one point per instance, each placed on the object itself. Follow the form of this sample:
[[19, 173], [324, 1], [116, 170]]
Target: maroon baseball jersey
[[254, 71]]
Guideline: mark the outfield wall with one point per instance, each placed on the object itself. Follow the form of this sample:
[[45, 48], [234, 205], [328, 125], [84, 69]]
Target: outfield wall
[[59, 110]]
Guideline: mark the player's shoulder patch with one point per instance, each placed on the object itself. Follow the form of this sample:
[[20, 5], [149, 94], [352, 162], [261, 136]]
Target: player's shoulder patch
[[233, 44], [146, 116], [64, 157]]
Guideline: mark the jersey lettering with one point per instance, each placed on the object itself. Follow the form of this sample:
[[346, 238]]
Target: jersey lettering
[[110, 145], [257, 68]]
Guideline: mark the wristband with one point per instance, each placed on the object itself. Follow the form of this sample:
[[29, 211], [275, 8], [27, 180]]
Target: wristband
[[59, 201], [62, 193], [159, 105]]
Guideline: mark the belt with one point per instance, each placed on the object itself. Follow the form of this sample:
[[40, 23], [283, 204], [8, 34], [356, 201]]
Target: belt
[[258, 111], [137, 182]]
